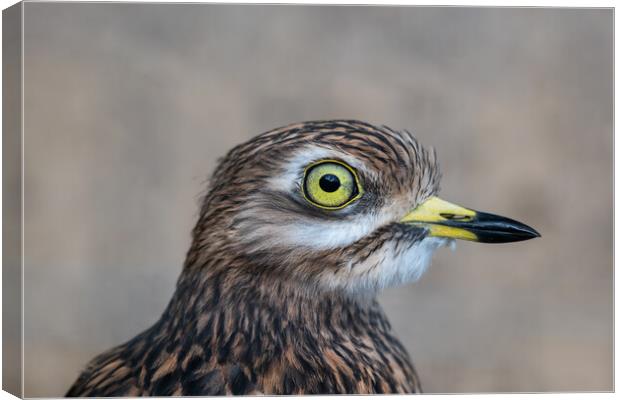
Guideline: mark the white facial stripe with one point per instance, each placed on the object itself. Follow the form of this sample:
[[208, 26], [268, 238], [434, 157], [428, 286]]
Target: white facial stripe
[[323, 235]]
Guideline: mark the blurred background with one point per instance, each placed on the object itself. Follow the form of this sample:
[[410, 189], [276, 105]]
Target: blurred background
[[128, 107]]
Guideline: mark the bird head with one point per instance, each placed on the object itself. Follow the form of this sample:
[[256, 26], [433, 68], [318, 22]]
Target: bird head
[[337, 205]]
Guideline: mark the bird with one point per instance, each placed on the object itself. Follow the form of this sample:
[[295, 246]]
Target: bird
[[300, 229]]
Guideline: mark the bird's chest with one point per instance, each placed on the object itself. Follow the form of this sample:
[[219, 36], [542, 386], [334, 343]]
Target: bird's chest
[[330, 348], [370, 363]]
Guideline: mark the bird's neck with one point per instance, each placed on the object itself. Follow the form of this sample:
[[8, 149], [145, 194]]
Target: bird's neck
[[286, 339], [230, 300]]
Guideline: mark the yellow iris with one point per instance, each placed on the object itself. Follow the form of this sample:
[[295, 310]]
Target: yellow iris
[[331, 184]]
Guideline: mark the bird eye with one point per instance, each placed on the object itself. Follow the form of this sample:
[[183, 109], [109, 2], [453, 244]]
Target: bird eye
[[331, 185]]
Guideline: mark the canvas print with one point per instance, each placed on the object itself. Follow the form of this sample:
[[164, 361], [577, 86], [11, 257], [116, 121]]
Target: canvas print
[[224, 199]]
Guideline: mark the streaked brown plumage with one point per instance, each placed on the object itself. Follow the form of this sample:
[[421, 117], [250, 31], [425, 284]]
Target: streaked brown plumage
[[277, 295]]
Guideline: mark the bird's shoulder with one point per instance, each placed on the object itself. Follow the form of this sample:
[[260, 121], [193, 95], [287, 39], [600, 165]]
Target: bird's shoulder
[[108, 374], [154, 365]]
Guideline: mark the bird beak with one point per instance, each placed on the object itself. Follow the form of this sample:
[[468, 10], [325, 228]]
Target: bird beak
[[444, 219]]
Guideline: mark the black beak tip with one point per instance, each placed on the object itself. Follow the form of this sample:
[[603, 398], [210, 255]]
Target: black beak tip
[[526, 236], [527, 232], [496, 229], [514, 235]]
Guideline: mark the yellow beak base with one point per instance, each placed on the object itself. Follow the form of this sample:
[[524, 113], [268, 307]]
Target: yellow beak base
[[444, 219]]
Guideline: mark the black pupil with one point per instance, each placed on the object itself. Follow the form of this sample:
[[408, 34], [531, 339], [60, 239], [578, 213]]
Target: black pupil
[[329, 183]]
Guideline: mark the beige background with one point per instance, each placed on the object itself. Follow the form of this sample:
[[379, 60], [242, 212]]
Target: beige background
[[127, 108]]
